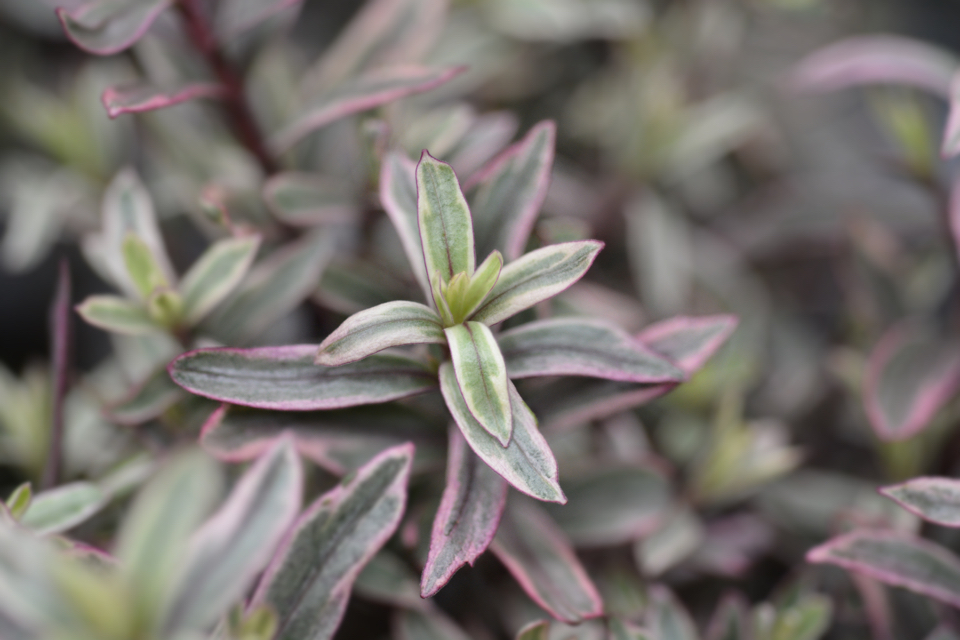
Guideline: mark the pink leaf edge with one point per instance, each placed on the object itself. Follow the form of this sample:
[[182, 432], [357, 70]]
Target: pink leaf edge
[[77, 14], [138, 98], [919, 484]]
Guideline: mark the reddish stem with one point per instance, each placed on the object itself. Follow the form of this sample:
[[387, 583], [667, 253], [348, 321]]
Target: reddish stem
[[235, 103]]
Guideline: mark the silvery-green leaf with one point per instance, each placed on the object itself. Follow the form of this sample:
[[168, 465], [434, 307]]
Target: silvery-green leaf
[[155, 532], [307, 200], [272, 289], [362, 93], [233, 546], [383, 32], [582, 347], [392, 324], [426, 625], [142, 267], [611, 505], [215, 274], [338, 440], [536, 276], [60, 509], [935, 500], [897, 559], [541, 559], [467, 519], [446, 230], [509, 192], [147, 401], [398, 194], [286, 378], [308, 581], [127, 208], [482, 377], [116, 314], [103, 27], [527, 462]]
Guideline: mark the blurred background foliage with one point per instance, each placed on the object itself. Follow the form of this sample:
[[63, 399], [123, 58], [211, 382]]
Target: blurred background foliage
[[717, 186]]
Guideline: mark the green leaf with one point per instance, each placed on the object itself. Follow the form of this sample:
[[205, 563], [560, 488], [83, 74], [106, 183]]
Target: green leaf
[[482, 377], [309, 579], [60, 509], [474, 289], [147, 401], [806, 619], [154, 535], [233, 546], [387, 325], [446, 230], [215, 275], [527, 462], [537, 630], [536, 276], [19, 500], [141, 266], [118, 315], [620, 630], [272, 289], [285, 378]]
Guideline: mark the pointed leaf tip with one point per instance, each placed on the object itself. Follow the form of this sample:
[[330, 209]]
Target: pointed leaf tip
[[446, 228]]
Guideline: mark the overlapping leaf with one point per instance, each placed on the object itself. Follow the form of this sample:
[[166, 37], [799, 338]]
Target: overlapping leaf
[[446, 229], [104, 27], [398, 194], [387, 325], [215, 275], [482, 377]]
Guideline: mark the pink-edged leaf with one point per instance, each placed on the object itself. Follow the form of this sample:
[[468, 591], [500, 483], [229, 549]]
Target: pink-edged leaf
[[934, 499], [688, 341], [488, 134], [468, 517], [383, 32], [877, 60], [951, 134], [140, 97], [147, 400], [308, 582], [105, 27], [526, 462], [897, 559], [234, 545], [391, 324], [370, 90], [338, 440], [509, 191], [569, 403], [732, 544], [398, 195], [307, 200], [611, 505], [443, 218], [426, 625], [536, 630], [540, 557], [582, 347], [233, 17], [286, 378], [388, 579], [911, 374]]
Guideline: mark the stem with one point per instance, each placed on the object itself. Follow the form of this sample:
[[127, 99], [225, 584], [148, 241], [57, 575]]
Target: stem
[[60, 348], [235, 103]]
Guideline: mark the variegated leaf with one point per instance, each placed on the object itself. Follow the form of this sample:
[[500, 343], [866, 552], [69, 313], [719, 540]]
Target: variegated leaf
[[398, 195], [233, 546], [361, 94], [272, 289], [105, 27], [935, 500], [64, 507], [215, 275], [509, 192], [897, 559], [482, 377], [286, 378], [688, 341], [392, 324], [527, 462], [308, 581], [307, 200], [446, 230], [536, 630], [582, 347], [141, 97], [468, 517], [541, 559], [535, 277], [118, 315]]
